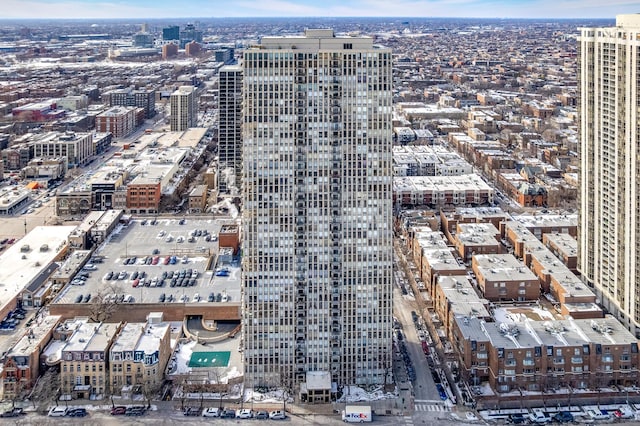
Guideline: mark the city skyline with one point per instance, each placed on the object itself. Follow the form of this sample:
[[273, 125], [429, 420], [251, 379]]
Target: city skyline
[[147, 9]]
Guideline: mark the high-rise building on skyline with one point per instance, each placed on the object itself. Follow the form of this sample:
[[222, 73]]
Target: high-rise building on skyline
[[171, 32], [229, 130], [609, 202], [317, 210], [184, 108]]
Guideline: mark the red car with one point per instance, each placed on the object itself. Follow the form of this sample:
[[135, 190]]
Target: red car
[[135, 282], [118, 410], [155, 260]]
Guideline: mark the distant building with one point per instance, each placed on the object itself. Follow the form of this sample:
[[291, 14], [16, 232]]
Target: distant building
[[225, 55], [171, 33], [77, 147], [74, 102], [140, 98], [189, 34], [198, 199], [192, 49], [143, 39], [169, 50], [39, 111], [45, 169], [143, 195], [119, 121], [184, 108]]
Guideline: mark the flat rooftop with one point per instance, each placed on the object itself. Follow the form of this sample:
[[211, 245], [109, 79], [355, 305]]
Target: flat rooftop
[[19, 265], [169, 238]]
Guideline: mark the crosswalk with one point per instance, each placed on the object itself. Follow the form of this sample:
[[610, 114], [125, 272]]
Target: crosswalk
[[431, 407]]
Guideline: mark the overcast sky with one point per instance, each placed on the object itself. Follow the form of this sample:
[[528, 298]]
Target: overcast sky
[[140, 9]]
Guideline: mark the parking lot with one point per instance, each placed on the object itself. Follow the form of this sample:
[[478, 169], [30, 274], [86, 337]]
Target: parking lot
[[158, 261]]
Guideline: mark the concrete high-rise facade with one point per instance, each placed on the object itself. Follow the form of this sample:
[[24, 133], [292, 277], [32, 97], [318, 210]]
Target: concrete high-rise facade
[[229, 130], [317, 210], [609, 216], [184, 108]]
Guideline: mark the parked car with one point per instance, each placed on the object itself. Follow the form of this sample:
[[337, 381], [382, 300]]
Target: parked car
[[563, 417], [623, 413], [443, 394], [118, 410], [228, 414], [58, 411], [539, 417], [245, 413], [134, 411], [191, 411], [261, 415], [77, 412], [14, 412], [517, 419], [277, 415], [211, 412], [596, 414]]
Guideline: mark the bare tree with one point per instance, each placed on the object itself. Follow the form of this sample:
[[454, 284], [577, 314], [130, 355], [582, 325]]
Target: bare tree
[[104, 304], [286, 384], [46, 390], [151, 390]]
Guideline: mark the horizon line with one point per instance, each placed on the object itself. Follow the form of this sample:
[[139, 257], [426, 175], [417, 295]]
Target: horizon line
[[306, 17]]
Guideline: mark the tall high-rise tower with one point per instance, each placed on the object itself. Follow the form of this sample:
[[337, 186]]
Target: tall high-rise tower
[[609, 224], [184, 108], [229, 130], [317, 209]]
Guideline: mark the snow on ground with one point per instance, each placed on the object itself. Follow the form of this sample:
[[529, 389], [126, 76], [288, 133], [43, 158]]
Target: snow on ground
[[183, 355], [357, 394], [268, 397]]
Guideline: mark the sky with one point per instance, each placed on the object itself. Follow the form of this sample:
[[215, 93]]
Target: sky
[[149, 9]]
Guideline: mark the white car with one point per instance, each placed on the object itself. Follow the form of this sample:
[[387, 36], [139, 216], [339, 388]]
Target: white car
[[244, 414], [211, 412], [596, 414], [58, 411], [539, 417]]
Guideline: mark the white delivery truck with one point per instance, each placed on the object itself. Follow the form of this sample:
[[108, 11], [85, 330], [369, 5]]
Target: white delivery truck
[[356, 414]]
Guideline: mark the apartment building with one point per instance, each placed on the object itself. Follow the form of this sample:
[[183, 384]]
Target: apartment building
[[139, 356], [609, 223], [477, 238], [130, 97], [503, 277], [143, 195], [317, 212], [184, 108], [21, 364], [76, 147], [84, 361], [577, 354], [229, 130], [119, 121]]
